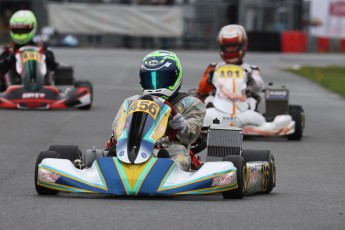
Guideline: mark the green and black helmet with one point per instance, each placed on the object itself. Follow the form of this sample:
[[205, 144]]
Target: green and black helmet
[[161, 74], [23, 26]]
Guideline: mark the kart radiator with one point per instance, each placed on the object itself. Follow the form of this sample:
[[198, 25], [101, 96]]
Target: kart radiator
[[224, 140]]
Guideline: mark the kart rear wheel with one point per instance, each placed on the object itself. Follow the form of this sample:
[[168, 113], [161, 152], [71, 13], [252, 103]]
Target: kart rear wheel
[[69, 152], [43, 155], [241, 174], [297, 114], [263, 155], [90, 87], [63, 75]]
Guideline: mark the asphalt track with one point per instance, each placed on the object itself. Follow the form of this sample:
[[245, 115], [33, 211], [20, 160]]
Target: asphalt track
[[310, 173]]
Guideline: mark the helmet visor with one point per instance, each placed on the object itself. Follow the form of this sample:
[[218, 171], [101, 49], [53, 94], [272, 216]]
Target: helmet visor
[[157, 79], [231, 48], [21, 29]]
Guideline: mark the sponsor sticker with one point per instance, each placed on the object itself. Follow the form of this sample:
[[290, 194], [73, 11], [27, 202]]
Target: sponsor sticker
[[277, 94], [49, 176], [254, 174], [153, 62], [222, 180], [33, 95]]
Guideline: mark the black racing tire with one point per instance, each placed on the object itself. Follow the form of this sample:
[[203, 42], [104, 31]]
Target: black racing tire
[[87, 84], [241, 174], [63, 75], [263, 155], [43, 155], [69, 152], [297, 114]]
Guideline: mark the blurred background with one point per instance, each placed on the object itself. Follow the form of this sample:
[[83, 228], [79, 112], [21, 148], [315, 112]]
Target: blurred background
[[292, 26]]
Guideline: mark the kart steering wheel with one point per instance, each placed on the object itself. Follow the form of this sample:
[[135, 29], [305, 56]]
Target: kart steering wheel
[[173, 110]]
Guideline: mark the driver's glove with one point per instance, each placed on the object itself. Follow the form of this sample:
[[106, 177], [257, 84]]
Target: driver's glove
[[178, 122]]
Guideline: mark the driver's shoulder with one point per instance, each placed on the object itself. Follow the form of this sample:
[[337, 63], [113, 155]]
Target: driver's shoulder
[[249, 67], [190, 102]]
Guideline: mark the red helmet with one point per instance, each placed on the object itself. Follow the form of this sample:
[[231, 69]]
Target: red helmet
[[233, 43]]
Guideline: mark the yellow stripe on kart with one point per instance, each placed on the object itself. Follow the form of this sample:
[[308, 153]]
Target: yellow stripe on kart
[[61, 187], [163, 188], [133, 175]]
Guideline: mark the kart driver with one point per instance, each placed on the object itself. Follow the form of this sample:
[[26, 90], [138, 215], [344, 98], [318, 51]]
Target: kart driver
[[233, 43], [161, 75], [235, 102], [23, 26]]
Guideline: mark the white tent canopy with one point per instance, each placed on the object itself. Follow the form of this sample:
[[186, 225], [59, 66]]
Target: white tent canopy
[[134, 20]]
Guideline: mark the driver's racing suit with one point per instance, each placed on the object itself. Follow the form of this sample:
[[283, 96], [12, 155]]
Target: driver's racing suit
[[255, 84], [193, 111]]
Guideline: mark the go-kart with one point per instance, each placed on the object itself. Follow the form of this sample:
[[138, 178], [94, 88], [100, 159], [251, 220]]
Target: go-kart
[[140, 167], [227, 107], [32, 86]]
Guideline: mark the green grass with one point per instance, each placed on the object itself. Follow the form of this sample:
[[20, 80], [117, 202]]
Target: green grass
[[330, 77]]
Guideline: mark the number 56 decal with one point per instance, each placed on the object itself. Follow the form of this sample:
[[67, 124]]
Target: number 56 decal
[[145, 106]]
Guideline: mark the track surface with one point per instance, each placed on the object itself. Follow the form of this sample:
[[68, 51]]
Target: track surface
[[311, 173]]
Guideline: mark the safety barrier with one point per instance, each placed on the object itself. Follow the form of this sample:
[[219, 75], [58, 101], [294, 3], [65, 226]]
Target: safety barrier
[[300, 42], [342, 45], [293, 42]]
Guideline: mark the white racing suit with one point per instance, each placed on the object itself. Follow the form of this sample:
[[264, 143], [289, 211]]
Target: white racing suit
[[231, 81], [193, 111], [252, 78]]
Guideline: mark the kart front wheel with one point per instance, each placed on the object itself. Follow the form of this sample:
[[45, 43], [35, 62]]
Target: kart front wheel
[[69, 152], [43, 155], [297, 114], [263, 155], [241, 174]]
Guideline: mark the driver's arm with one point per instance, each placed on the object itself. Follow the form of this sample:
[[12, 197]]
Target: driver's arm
[[6, 60], [116, 121], [50, 59], [255, 83], [205, 85], [193, 111]]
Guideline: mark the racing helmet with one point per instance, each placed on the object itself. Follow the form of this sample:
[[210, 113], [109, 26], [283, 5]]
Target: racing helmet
[[23, 26], [233, 43], [161, 74]]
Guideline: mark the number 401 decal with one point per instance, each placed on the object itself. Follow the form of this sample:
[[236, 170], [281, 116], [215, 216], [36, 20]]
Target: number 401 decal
[[229, 71], [146, 106], [31, 56]]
